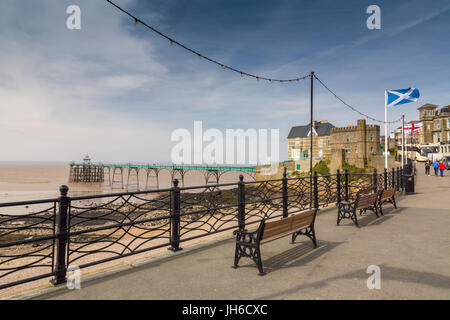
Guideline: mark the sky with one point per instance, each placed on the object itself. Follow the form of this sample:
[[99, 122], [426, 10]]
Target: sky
[[117, 91]]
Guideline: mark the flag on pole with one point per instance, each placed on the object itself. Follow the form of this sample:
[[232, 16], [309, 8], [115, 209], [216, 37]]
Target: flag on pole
[[412, 128], [401, 96]]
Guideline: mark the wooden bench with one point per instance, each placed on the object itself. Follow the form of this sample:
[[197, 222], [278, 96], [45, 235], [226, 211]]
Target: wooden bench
[[248, 242], [363, 202], [386, 195]]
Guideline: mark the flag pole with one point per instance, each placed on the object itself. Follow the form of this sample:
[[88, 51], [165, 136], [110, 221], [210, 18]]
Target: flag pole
[[403, 139], [311, 128], [385, 131]]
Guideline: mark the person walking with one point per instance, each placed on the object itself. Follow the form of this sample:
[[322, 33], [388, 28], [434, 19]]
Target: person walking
[[427, 167], [436, 167], [441, 168]]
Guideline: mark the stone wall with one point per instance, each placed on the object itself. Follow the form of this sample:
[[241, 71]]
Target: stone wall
[[359, 143]]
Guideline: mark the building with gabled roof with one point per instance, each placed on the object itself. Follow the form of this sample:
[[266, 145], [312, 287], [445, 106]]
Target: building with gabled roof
[[299, 141]]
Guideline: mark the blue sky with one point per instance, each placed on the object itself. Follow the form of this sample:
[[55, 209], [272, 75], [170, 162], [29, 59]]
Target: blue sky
[[117, 91]]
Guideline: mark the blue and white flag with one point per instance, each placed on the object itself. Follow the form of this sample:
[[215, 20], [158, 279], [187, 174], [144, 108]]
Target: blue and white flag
[[401, 96]]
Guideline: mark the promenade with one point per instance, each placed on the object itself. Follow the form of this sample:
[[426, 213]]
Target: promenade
[[411, 245]]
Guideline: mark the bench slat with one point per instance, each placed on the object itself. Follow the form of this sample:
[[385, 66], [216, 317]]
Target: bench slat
[[366, 201], [276, 236], [277, 229], [270, 230], [387, 194]]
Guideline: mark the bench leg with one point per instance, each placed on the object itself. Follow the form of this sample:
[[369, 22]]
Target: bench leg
[[257, 259], [375, 209], [309, 232], [313, 236], [354, 218], [381, 208], [339, 217], [237, 256], [393, 202]]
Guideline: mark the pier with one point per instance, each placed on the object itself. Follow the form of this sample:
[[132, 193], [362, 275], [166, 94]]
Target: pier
[[126, 176]]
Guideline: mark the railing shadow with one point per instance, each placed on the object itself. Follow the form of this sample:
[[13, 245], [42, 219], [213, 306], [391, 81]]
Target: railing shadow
[[388, 273]]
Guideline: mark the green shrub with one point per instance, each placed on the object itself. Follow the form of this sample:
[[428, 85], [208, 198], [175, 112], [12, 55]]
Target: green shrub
[[321, 168], [352, 168]]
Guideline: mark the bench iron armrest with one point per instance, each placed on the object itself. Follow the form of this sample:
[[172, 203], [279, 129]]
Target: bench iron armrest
[[244, 232]]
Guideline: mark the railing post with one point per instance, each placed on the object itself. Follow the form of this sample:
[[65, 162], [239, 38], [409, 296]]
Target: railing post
[[375, 180], [385, 178], [316, 191], [346, 184], [285, 194], [175, 217], [398, 179], [401, 179], [393, 178], [61, 237], [338, 186], [241, 203]]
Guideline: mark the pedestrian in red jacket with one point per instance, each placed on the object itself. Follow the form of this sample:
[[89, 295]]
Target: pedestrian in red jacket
[[441, 168]]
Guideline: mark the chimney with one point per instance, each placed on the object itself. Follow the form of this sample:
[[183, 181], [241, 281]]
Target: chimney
[[324, 121]]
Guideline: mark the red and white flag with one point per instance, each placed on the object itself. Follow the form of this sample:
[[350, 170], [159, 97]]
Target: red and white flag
[[412, 128]]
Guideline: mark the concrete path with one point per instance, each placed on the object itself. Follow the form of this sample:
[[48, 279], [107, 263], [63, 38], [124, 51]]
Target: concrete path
[[411, 245]]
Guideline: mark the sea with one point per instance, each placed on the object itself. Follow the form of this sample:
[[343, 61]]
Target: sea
[[23, 182]]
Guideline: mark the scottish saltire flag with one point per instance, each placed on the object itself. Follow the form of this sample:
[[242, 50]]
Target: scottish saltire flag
[[401, 96]]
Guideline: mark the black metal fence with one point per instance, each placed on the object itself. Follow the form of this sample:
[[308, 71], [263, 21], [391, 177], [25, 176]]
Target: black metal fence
[[41, 239]]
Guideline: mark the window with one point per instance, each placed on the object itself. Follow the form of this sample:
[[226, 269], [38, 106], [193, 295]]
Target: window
[[437, 124], [437, 137], [320, 143], [356, 149], [371, 137], [348, 149], [328, 142], [428, 113], [347, 139], [371, 149], [448, 123], [297, 144]]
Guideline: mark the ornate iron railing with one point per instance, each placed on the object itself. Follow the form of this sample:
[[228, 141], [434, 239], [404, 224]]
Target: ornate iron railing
[[27, 241], [42, 239]]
